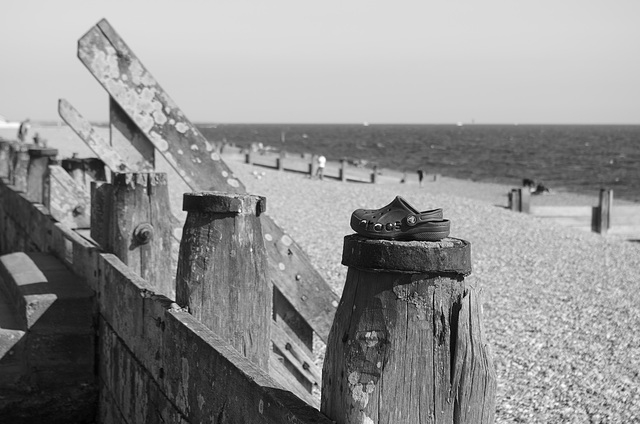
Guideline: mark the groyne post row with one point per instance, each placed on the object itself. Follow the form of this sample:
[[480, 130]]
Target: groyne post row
[[155, 361], [407, 343], [36, 172], [600, 216], [307, 164]]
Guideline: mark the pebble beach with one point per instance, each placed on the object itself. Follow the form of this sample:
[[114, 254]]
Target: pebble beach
[[560, 305]]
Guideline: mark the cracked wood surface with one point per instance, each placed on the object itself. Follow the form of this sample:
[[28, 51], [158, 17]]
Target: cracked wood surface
[[409, 347], [128, 82]]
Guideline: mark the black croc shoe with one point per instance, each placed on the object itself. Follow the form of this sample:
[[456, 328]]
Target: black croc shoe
[[400, 221]]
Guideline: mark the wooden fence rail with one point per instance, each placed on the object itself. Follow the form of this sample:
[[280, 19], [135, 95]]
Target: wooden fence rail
[[155, 361]]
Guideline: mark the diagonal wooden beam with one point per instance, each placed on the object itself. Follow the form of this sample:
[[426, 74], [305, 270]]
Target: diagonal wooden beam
[[139, 95], [128, 82], [90, 136]]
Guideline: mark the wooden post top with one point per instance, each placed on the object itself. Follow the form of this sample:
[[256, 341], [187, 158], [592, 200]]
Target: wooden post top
[[219, 202], [449, 255], [38, 152], [120, 179]]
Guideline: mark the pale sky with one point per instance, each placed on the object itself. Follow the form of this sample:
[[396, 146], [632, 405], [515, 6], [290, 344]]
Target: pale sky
[[492, 61]]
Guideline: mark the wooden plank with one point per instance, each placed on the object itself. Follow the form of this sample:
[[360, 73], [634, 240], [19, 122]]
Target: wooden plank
[[299, 357], [124, 77], [128, 140], [141, 152], [68, 203], [128, 82], [280, 374], [91, 137]]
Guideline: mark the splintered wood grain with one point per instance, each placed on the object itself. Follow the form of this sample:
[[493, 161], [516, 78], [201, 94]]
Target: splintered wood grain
[[138, 199], [389, 356], [222, 280]]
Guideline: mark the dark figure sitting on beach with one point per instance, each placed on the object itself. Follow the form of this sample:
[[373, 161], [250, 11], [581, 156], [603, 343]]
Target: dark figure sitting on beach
[[540, 189], [535, 188], [528, 182]]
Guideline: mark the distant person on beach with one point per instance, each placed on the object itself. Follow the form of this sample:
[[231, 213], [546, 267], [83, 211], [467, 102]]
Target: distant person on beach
[[23, 130], [322, 161], [420, 176]]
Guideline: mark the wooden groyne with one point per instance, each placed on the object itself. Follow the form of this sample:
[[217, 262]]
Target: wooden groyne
[[602, 218], [192, 304]]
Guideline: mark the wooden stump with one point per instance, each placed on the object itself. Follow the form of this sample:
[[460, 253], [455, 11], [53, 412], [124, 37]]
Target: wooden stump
[[374, 175], [407, 343], [601, 214], [39, 160], [222, 267], [135, 207], [343, 170]]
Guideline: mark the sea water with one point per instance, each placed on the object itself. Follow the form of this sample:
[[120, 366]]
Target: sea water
[[576, 158]]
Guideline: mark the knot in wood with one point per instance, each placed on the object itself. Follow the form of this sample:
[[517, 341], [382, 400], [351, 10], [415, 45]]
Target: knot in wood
[[143, 233]]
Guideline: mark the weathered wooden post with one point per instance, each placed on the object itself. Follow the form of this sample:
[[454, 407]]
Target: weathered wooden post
[[5, 155], [39, 160], [222, 267], [131, 218], [247, 157], [343, 170], [520, 200], [525, 200], [374, 174], [280, 161], [601, 214], [313, 165], [407, 342], [19, 165]]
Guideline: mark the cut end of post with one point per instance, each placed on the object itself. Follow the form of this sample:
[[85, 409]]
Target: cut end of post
[[219, 202], [449, 255]]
